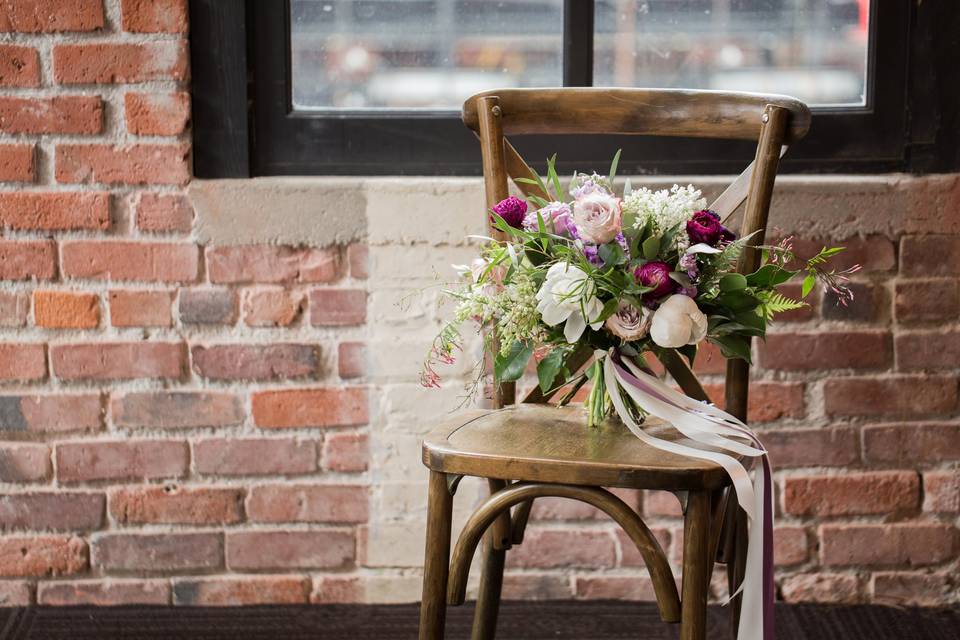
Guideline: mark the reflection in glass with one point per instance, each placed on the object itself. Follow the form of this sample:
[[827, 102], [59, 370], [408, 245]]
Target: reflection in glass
[[410, 54], [813, 49]]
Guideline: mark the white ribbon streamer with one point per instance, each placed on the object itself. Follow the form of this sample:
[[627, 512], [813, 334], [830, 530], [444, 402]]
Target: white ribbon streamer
[[707, 429]]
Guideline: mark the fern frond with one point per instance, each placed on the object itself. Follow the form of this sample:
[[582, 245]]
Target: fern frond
[[775, 302]]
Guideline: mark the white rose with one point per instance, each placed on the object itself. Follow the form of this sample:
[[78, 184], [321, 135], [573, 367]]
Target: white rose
[[565, 296], [678, 322], [597, 217]]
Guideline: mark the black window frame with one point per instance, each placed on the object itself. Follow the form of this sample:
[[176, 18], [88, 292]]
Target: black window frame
[[244, 124]]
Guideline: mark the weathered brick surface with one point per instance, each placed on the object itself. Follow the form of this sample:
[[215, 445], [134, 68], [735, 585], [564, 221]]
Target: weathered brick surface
[[908, 443], [157, 114], [119, 260], [60, 114], [55, 211], [927, 300], [207, 306], [810, 351], [886, 544], [66, 310], [865, 493], [25, 462], [22, 362], [118, 360], [103, 593], [899, 396], [176, 505], [119, 62], [306, 503], [74, 511], [941, 491], [272, 307], [351, 360], [338, 307], [140, 308], [271, 264], [19, 66], [41, 555], [324, 407], [154, 16], [910, 589], [255, 456], [244, 590], [161, 212], [121, 460], [15, 593], [260, 550], [23, 260], [149, 553], [142, 163], [176, 410], [346, 452], [51, 413], [822, 587], [255, 362], [16, 162], [37, 16], [14, 308], [543, 549]]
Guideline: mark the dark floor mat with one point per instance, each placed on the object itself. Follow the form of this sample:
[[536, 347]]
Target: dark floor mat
[[518, 621]]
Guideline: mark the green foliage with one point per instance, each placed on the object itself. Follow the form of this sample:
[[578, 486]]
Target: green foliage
[[509, 367], [550, 367]]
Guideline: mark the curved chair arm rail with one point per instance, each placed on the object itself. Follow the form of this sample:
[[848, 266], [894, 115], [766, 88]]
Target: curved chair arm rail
[[660, 112], [664, 586]]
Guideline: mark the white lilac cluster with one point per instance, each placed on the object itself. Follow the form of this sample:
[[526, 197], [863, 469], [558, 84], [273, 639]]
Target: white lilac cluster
[[667, 208]]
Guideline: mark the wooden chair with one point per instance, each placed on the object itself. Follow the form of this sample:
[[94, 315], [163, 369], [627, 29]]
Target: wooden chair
[[535, 450]]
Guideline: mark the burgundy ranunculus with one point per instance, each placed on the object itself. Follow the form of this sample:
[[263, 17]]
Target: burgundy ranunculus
[[512, 210], [705, 227], [655, 274]]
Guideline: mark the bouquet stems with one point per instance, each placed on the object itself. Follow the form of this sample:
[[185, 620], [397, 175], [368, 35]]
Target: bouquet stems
[[597, 403]]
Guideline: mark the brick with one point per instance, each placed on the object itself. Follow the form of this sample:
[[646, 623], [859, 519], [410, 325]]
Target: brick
[[346, 452], [709, 360], [886, 544], [902, 589], [630, 556], [873, 253], [259, 550], [767, 401], [22, 362], [883, 492], [790, 546], [208, 306], [164, 212], [59, 511], [66, 310], [16, 162], [59, 211], [271, 264], [272, 307], [103, 593], [941, 491], [157, 552], [926, 300], [176, 410], [142, 163], [14, 308], [240, 591], [37, 16], [868, 304], [171, 504], [812, 447], [19, 66], [536, 586], [890, 396], [157, 114], [255, 362], [930, 256], [254, 456], [351, 360], [338, 307], [121, 460], [358, 257], [563, 509], [59, 114], [41, 556], [154, 16], [662, 503], [567, 548], [120, 62], [308, 503], [821, 587], [822, 350], [49, 413], [15, 593], [906, 444], [320, 407], [342, 589], [625, 588], [795, 291], [118, 360], [928, 350], [26, 260], [140, 308], [25, 462], [125, 260]]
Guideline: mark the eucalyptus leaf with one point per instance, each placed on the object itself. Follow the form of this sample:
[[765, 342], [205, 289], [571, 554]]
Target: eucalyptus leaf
[[613, 166], [733, 282], [612, 254], [651, 247]]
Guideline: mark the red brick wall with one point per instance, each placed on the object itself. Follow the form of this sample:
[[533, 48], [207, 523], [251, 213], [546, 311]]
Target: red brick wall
[[187, 424], [169, 413]]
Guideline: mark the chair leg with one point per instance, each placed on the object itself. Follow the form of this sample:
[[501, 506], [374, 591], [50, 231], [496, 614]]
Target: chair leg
[[496, 541], [436, 566], [696, 566]]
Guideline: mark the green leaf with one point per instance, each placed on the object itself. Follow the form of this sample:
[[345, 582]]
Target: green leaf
[[808, 284], [553, 177], [651, 247], [526, 181], [612, 254], [613, 166], [769, 275], [733, 282], [738, 300], [609, 308], [510, 367], [550, 367], [733, 346]]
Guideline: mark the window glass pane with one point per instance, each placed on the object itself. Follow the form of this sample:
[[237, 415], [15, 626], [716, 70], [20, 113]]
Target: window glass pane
[[408, 54], [815, 50]]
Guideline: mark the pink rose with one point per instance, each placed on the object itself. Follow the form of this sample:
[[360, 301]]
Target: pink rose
[[597, 217], [629, 322]]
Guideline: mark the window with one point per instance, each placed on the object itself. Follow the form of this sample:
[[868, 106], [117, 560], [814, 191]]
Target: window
[[368, 87]]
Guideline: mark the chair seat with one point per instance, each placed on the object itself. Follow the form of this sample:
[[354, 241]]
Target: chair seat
[[541, 443]]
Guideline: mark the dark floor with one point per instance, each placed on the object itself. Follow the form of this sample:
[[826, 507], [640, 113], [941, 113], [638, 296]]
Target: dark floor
[[519, 620]]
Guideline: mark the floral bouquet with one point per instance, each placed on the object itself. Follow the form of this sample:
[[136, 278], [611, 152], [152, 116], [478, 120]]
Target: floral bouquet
[[647, 271]]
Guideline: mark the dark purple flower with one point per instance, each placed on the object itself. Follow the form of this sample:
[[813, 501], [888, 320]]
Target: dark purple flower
[[592, 254], [655, 274], [512, 210], [705, 227]]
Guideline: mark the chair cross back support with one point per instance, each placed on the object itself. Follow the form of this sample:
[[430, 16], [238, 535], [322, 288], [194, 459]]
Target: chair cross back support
[[528, 451]]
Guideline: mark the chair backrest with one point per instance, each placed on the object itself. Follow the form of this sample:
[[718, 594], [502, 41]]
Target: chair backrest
[[774, 121]]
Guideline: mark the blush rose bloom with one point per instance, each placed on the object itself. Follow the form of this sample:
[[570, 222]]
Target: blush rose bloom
[[597, 217], [678, 322], [629, 322], [567, 295]]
